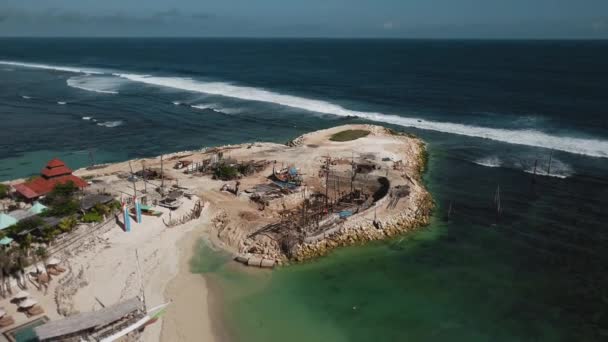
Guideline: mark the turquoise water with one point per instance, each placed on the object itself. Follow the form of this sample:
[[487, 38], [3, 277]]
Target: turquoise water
[[26, 332], [456, 281]]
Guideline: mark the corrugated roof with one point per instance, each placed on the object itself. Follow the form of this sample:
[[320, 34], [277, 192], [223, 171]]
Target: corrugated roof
[[87, 320]]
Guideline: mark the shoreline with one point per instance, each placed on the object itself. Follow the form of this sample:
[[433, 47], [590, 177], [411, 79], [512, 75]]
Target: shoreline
[[193, 322], [231, 220]]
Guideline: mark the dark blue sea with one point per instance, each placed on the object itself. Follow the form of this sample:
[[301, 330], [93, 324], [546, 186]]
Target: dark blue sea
[[489, 110]]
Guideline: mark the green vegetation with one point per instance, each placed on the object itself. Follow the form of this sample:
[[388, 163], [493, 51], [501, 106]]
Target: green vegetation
[[61, 200], [25, 225], [348, 135], [92, 217], [67, 224], [3, 190], [226, 172]]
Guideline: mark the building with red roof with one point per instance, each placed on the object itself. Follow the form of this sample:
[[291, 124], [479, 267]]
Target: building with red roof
[[55, 172]]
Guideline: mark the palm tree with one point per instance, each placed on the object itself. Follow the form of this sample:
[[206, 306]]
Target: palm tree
[[20, 264], [42, 255]]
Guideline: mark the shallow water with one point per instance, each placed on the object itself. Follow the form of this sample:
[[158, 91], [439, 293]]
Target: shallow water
[[460, 281]]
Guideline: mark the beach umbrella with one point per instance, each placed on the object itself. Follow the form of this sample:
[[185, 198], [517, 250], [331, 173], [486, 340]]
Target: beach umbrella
[[22, 295], [28, 303], [53, 261], [2, 313]]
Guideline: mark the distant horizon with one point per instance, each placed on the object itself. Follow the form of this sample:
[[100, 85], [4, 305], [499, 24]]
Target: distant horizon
[[307, 37], [382, 19]]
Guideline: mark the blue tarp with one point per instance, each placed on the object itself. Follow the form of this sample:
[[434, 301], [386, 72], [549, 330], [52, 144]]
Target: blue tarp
[[345, 213]]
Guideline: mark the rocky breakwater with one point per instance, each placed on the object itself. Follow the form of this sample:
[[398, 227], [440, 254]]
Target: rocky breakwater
[[362, 230]]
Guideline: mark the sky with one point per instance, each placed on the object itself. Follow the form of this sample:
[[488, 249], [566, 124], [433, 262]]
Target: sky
[[477, 19]]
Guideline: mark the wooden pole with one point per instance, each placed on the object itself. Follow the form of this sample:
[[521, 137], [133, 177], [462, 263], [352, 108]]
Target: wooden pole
[[133, 180], [162, 175], [143, 175]]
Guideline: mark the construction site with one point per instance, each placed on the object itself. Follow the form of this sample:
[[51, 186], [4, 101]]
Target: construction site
[[273, 203]]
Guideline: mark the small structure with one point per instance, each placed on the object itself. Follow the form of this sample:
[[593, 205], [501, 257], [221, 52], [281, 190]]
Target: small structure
[[92, 324], [6, 221], [55, 172], [88, 202], [37, 208], [6, 241]]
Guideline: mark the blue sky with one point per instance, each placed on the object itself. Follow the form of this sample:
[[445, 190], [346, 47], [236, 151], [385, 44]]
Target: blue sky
[[310, 18]]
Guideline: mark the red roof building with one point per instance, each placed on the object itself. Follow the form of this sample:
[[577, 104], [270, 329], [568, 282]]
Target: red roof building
[[55, 172]]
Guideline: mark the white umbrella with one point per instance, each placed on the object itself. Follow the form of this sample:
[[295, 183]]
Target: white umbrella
[[22, 295], [53, 261], [28, 303], [2, 313]]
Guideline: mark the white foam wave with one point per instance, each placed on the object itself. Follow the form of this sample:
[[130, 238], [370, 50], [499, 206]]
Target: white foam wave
[[558, 169], [177, 103], [204, 106], [87, 118], [53, 67], [61, 102], [217, 108], [98, 84], [586, 146], [489, 162], [25, 97], [110, 124]]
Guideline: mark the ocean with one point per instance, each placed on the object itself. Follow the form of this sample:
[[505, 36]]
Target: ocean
[[489, 111]]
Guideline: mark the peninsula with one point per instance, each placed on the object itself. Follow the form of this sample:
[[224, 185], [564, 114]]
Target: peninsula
[[267, 204]]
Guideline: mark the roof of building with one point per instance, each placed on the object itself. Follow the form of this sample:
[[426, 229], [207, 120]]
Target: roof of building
[[25, 191], [21, 214], [42, 186], [6, 221], [89, 201], [38, 208], [56, 171], [5, 241], [87, 320], [55, 162]]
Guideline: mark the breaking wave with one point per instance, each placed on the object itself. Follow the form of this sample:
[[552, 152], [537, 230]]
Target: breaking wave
[[555, 168], [53, 67], [529, 137], [87, 118], [217, 108], [489, 162], [110, 124], [25, 97], [61, 103], [98, 84]]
